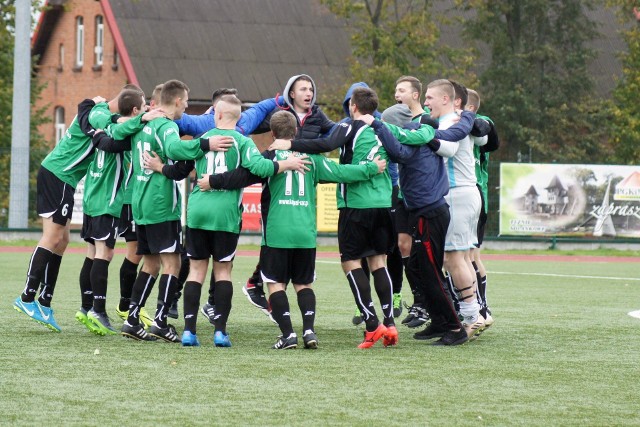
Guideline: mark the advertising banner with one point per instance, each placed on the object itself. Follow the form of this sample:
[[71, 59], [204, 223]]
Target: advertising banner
[[251, 220], [569, 200]]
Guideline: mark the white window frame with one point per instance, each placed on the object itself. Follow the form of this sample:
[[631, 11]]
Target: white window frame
[[99, 46], [79, 41], [58, 119]]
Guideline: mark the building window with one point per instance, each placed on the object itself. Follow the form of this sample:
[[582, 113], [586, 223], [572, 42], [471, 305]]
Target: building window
[[116, 60], [58, 118], [99, 47], [79, 42], [60, 57]]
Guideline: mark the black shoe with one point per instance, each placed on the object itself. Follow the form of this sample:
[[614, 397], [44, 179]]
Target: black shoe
[[410, 315], [310, 339], [167, 333], [431, 331], [136, 332], [290, 342], [453, 338], [173, 310], [209, 311], [255, 295], [420, 317], [357, 317]]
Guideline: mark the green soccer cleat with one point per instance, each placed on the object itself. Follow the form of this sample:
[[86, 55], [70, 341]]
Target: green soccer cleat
[[397, 305]]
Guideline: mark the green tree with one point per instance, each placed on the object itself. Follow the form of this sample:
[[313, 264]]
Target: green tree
[[38, 144], [626, 110], [537, 87], [391, 38]]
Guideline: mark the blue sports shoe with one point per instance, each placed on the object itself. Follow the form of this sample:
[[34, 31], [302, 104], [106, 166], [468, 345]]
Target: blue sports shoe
[[47, 319], [190, 340], [221, 339], [28, 308]]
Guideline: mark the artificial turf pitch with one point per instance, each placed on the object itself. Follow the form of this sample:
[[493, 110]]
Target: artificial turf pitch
[[562, 351]]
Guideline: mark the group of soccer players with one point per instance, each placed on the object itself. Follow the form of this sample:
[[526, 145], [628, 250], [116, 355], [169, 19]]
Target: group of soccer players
[[411, 187]]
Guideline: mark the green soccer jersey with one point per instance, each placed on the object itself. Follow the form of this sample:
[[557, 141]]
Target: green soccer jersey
[[70, 159], [221, 210], [290, 220], [373, 193], [102, 195], [482, 169], [156, 198], [127, 183]]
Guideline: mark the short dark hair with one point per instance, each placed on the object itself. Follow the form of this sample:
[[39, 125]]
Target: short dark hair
[[127, 100], [365, 99], [223, 91], [131, 86], [461, 92], [416, 85], [302, 78], [171, 90], [283, 125]]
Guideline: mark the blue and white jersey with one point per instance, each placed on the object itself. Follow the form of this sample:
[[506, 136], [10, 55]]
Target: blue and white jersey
[[461, 167]]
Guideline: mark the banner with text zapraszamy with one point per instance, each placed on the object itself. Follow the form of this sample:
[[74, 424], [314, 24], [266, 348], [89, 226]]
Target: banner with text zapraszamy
[[569, 200]]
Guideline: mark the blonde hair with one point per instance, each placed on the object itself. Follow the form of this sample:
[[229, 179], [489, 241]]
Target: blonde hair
[[444, 86], [474, 98]]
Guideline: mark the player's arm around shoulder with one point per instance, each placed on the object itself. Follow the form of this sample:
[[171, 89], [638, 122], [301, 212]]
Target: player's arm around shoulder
[[330, 171]]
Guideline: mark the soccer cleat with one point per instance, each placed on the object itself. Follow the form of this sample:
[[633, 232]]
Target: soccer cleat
[[357, 317], [420, 318], [390, 337], [474, 329], [255, 295], [397, 304], [310, 339], [101, 324], [135, 332], [81, 317], [220, 339], [430, 332], [28, 308], [410, 315], [288, 343], [488, 320], [453, 338], [168, 333], [209, 311], [46, 317], [145, 318], [190, 340], [370, 338], [173, 310], [123, 314]]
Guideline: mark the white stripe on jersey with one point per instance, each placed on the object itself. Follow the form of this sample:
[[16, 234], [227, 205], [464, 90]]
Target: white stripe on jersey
[[460, 167]]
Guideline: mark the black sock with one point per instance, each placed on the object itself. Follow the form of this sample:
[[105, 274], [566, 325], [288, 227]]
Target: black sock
[[394, 267], [482, 294], [382, 283], [141, 290], [280, 312], [307, 304], [167, 292], [99, 280], [86, 293], [418, 299], [361, 289], [128, 273], [452, 293], [223, 295], [192, 291], [256, 277], [39, 260], [212, 289], [50, 280]]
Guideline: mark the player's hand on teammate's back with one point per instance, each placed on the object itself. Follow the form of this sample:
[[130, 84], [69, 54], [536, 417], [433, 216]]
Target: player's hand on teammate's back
[[280, 144], [295, 163], [98, 99], [382, 164], [220, 142], [152, 161], [367, 118], [203, 182], [152, 115]]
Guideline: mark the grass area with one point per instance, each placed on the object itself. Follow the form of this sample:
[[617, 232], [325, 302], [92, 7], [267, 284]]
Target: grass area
[[562, 352]]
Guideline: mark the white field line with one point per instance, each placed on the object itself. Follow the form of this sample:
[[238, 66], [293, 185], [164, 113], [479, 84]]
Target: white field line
[[634, 279]]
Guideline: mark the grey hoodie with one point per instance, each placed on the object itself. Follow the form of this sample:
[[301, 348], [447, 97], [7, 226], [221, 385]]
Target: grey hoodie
[[289, 85]]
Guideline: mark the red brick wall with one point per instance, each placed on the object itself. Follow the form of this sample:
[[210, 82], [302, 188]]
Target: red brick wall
[[66, 87]]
